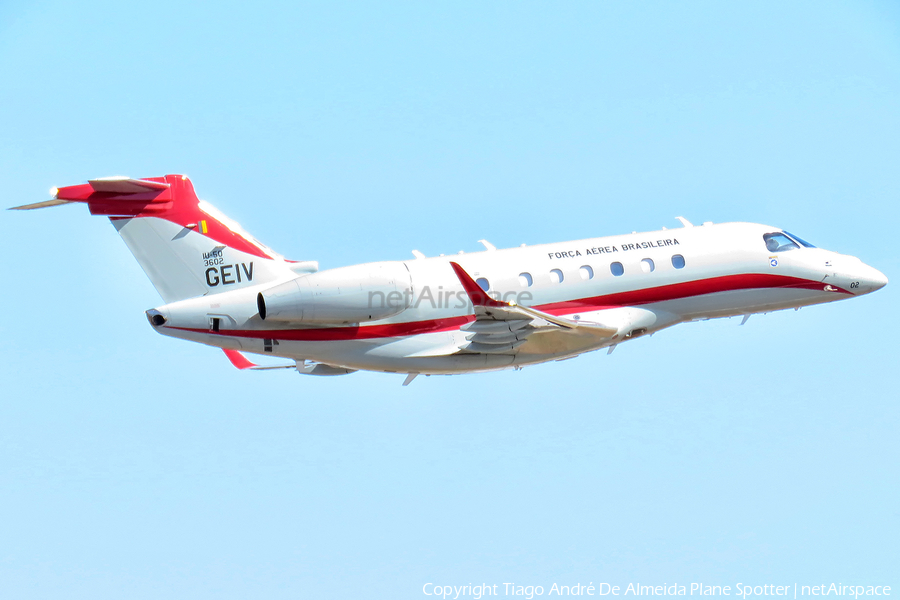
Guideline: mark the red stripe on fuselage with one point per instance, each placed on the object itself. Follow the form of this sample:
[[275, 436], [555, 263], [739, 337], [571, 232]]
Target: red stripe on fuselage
[[633, 298], [687, 289]]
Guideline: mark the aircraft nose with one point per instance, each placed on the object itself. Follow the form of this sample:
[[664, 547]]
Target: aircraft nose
[[871, 279], [879, 280]]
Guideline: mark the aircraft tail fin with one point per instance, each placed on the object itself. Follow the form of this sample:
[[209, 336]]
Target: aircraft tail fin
[[185, 245]]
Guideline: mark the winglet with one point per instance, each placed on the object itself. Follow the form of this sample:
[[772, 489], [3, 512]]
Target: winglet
[[238, 360], [477, 295]]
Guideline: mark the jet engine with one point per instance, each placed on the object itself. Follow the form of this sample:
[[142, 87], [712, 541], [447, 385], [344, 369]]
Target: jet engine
[[345, 295]]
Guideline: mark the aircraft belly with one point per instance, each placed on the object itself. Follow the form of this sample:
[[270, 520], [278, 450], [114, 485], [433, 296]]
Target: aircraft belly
[[410, 354], [390, 355], [739, 302]]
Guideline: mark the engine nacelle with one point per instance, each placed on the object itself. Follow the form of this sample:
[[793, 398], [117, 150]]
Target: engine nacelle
[[346, 295]]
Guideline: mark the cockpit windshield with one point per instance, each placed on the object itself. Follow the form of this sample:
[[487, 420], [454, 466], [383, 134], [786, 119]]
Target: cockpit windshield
[[778, 242], [801, 241]]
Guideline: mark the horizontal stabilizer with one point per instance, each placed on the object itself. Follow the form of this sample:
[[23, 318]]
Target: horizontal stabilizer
[[44, 204], [118, 187], [121, 184], [119, 195]]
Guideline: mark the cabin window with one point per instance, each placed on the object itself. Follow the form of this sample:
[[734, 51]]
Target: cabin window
[[647, 265], [556, 276], [525, 279], [616, 269], [678, 261], [483, 283], [778, 242], [586, 272]]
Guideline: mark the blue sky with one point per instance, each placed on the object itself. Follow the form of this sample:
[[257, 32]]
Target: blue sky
[[133, 465]]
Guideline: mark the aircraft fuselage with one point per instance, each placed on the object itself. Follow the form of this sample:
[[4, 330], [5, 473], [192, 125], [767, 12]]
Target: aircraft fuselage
[[638, 283]]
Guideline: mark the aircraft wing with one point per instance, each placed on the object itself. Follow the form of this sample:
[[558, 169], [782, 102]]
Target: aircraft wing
[[304, 367], [509, 328]]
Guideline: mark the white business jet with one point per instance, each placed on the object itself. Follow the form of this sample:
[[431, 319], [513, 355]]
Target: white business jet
[[480, 311]]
